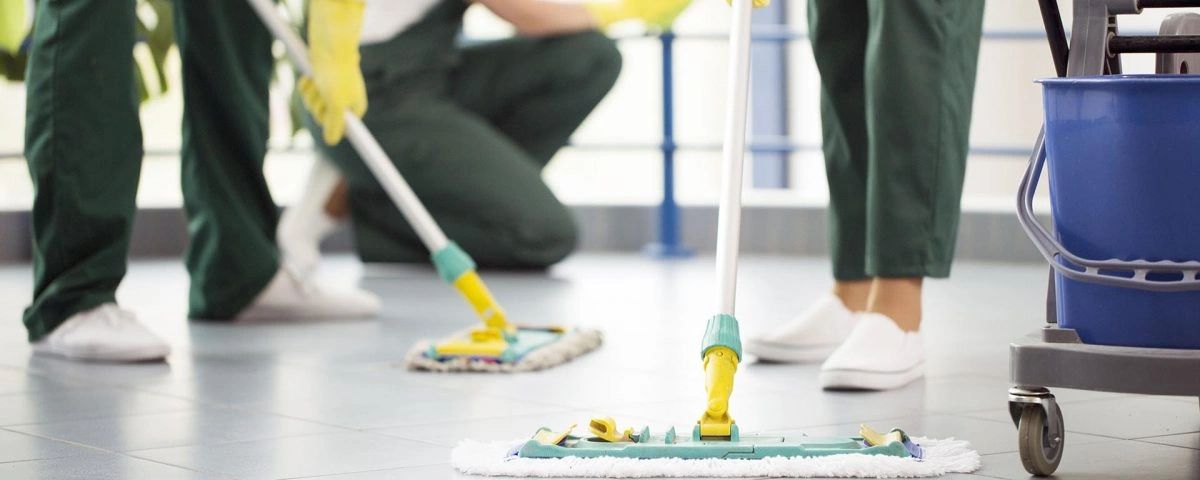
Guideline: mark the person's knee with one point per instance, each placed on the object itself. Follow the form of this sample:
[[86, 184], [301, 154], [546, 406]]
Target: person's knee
[[544, 242], [598, 58]]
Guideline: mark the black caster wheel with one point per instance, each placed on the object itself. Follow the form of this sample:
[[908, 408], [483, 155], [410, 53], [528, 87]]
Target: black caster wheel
[[1041, 450]]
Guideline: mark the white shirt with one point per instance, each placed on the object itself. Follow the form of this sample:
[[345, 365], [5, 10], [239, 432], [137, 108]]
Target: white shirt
[[383, 19]]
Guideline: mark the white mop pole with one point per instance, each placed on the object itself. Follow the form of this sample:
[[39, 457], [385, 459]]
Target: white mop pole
[[360, 138], [729, 220]]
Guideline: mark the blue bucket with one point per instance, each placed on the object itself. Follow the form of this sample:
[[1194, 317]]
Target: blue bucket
[[1124, 164]]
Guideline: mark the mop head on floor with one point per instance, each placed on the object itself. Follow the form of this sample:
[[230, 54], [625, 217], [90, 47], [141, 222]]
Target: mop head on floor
[[534, 349], [939, 457]]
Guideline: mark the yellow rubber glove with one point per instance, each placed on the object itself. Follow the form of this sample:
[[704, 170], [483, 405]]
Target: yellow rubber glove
[[336, 83], [757, 3], [12, 24], [655, 13]]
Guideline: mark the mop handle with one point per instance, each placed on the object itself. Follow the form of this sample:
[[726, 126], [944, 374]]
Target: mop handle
[[729, 220], [360, 138]]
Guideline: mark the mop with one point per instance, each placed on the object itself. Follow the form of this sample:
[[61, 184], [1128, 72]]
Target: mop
[[497, 345], [715, 447]]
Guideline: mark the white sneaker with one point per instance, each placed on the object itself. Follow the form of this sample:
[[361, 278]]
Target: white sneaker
[[305, 223], [290, 296], [810, 337], [107, 334], [877, 355]]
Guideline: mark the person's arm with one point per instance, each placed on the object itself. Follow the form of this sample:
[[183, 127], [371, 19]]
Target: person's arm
[[336, 83], [550, 17], [542, 17]]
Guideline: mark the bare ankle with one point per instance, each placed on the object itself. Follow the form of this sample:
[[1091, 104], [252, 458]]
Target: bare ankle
[[337, 206], [899, 299], [854, 294]]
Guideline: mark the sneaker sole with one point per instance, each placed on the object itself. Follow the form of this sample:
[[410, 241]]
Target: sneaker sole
[[842, 379], [779, 353]]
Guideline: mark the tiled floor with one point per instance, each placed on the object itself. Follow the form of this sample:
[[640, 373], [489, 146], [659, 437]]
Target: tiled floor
[[329, 400]]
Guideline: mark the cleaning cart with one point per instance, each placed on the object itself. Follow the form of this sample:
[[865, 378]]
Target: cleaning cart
[[1123, 302]]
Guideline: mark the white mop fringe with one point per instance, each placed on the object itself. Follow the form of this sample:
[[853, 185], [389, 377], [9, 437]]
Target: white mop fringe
[[572, 344], [941, 457]]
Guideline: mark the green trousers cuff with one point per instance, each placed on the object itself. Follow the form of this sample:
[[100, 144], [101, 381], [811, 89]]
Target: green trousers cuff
[[42, 318], [223, 304]]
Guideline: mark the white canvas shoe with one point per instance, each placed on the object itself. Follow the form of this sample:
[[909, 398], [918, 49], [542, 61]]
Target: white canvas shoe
[[810, 337], [305, 223], [877, 355], [290, 296], [106, 333]]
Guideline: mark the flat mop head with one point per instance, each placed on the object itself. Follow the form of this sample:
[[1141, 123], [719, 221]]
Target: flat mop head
[[609, 453], [497, 345], [526, 349]]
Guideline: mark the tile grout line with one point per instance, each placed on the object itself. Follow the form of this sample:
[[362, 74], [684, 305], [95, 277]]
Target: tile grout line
[[365, 471], [113, 452], [83, 419], [1166, 435]]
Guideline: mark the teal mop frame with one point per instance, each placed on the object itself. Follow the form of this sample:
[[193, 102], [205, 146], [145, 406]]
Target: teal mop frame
[[748, 447]]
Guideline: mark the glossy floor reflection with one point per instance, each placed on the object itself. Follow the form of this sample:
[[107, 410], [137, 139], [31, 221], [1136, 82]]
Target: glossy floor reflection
[[330, 400]]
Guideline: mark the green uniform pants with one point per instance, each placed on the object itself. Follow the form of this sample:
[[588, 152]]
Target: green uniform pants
[[471, 128], [84, 147], [897, 80]]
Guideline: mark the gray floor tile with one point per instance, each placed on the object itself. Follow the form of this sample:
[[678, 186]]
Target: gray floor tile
[[193, 427], [304, 456], [16, 447], [267, 400], [286, 383], [16, 380], [1125, 417], [1186, 440], [429, 472], [589, 388], [365, 412], [1119, 459], [97, 466], [77, 404], [968, 393], [986, 436], [502, 429]]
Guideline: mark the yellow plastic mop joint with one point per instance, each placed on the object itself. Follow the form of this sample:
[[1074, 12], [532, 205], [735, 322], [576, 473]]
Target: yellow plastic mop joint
[[720, 365]]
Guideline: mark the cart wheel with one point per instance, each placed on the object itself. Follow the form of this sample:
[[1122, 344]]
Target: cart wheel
[[1040, 454]]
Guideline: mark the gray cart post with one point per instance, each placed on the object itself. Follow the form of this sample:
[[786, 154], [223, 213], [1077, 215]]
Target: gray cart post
[[1055, 356]]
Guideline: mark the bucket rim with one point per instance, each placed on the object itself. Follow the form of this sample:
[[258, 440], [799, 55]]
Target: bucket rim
[[1124, 79]]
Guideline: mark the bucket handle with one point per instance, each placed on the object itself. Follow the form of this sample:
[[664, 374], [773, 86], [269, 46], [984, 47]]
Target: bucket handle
[[1085, 270]]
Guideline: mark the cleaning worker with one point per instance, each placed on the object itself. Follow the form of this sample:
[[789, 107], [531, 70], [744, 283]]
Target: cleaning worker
[[470, 127], [897, 81], [84, 148]]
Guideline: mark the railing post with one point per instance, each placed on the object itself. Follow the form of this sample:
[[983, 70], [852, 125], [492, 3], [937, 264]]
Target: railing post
[[669, 244]]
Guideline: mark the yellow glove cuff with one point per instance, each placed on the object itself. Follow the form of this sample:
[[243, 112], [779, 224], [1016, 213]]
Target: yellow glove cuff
[[608, 13], [12, 24]]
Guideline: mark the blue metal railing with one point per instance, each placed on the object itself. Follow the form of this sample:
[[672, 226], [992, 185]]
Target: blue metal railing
[[669, 244]]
